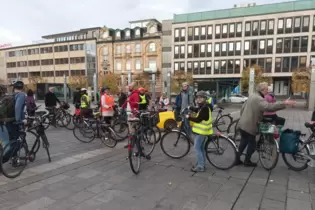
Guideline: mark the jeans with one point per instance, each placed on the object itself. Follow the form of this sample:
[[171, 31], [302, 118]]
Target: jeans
[[249, 141], [200, 150]]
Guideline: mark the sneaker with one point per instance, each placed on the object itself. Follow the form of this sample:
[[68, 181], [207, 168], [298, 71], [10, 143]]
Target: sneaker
[[238, 162], [197, 169], [249, 163]]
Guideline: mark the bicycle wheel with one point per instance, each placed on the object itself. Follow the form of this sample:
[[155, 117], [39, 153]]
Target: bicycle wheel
[[13, 159], [268, 151], [67, 121], [157, 134], [46, 145], [84, 132], [106, 134], [175, 140], [121, 130], [134, 156], [300, 155], [46, 122], [31, 139], [148, 141], [217, 145], [76, 120], [60, 119], [234, 132], [223, 122]]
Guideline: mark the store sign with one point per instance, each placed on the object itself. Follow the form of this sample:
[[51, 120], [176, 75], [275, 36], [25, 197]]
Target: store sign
[[2, 46]]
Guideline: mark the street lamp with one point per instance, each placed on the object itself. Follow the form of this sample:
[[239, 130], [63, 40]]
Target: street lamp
[[169, 84]]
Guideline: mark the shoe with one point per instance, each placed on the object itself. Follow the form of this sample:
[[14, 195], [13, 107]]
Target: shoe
[[238, 162], [197, 169], [249, 163]]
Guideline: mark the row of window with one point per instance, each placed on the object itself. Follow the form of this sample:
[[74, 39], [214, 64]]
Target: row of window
[[47, 74], [252, 28], [43, 50], [137, 49], [288, 64], [136, 64], [293, 44], [46, 62]]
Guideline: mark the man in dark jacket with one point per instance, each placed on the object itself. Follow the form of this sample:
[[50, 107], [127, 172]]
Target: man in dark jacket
[[51, 103], [77, 98], [122, 97]]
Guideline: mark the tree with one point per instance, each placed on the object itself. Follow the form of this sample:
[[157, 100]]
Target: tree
[[178, 78], [33, 81], [110, 80], [300, 81], [75, 82], [143, 80], [259, 77]]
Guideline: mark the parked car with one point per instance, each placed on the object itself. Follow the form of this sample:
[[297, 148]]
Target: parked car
[[238, 98]]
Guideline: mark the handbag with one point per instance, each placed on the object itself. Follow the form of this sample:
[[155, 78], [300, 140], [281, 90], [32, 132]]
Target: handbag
[[289, 141]]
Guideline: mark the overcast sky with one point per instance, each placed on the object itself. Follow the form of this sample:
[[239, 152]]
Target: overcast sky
[[24, 21]]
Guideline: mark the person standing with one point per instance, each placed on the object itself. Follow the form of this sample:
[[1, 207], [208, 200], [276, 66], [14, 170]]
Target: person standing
[[30, 103], [122, 97], [143, 99], [107, 105], [85, 103], [164, 101], [77, 98], [251, 114], [51, 101], [270, 98]]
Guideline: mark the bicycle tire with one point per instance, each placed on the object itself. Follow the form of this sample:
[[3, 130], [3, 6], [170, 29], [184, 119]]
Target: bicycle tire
[[46, 145], [226, 122], [81, 129], [305, 166], [16, 145], [46, 122], [145, 140], [133, 151], [270, 139], [107, 136], [119, 135], [68, 123], [157, 133], [179, 136], [76, 121], [228, 141], [36, 145]]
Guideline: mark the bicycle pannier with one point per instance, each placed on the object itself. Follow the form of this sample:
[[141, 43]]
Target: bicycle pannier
[[289, 141]]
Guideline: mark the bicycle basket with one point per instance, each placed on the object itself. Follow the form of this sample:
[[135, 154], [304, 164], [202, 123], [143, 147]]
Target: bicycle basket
[[154, 119], [266, 128]]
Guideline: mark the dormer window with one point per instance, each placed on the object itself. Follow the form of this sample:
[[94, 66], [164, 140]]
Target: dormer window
[[152, 29], [137, 32], [128, 33], [118, 34]]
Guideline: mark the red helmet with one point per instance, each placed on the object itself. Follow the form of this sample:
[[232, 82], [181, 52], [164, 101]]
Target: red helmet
[[141, 89]]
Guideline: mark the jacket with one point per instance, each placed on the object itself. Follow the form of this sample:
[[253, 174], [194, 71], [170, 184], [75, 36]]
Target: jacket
[[107, 105], [122, 99], [51, 99], [133, 101], [77, 97], [178, 99], [19, 106], [253, 110], [30, 104], [147, 100], [270, 98]]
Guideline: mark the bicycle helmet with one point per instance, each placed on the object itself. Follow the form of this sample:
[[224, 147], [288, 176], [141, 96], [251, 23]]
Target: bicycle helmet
[[141, 89], [18, 85], [201, 94], [83, 89]]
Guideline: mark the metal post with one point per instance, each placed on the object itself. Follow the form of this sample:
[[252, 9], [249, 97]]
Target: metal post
[[129, 77], [65, 87], [153, 86], [251, 81], [168, 84], [311, 102], [122, 82], [95, 87]]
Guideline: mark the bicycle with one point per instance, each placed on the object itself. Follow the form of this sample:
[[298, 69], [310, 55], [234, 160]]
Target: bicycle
[[60, 114], [307, 156], [212, 141], [11, 152], [92, 128], [223, 120], [137, 141]]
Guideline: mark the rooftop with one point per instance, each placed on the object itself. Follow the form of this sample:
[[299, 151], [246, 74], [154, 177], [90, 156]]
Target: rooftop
[[52, 36], [255, 10]]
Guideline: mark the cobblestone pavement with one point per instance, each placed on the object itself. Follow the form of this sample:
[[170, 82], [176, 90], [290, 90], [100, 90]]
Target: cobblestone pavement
[[91, 176]]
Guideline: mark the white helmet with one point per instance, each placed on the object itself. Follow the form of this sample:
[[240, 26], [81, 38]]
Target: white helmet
[[83, 89]]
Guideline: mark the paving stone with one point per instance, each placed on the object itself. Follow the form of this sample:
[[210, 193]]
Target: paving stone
[[80, 197], [268, 204], [299, 195], [298, 185], [275, 192], [88, 174], [55, 179], [294, 204], [218, 205], [37, 204], [32, 187], [98, 188]]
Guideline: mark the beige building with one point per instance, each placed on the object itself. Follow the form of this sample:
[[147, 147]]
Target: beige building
[[131, 50], [67, 54]]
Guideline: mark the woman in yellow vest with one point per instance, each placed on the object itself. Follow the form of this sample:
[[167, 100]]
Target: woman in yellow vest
[[143, 99], [202, 128]]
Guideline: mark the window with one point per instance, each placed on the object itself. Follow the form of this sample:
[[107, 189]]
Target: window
[[202, 67], [189, 66], [138, 48], [152, 63], [278, 65], [269, 46], [255, 27], [47, 73], [297, 22], [208, 67], [182, 66], [216, 67], [45, 62], [209, 50], [138, 64], [152, 47], [62, 73], [247, 27], [105, 51], [231, 46], [306, 20], [246, 45], [223, 49], [21, 63], [77, 60], [279, 45], [270, 26], [268, 65], [118, 49], [176, 50], [217, 49], [128, 33], [196, 33], [232, 28], [46, 50], [62, 48], [210, 30], [176, 66], [190, 31], [182, 51], [176, 32], [202, 48], [11, 65], [294, 62], [217, 29], [77, 72], [295, 44], [203, 30], [280, 24], [137, 33], [34, 63], [313, 44], [262, 46], [303, 61], [196, 50], [224, 28], [263, 25], [118, 65], [128, 49], [304, 43], [287, 44], [196, 68], [237, 66], [189, 51], [33, 51], [118, 34], [239, 29], [288, 23], [238, 48], [128, 65]]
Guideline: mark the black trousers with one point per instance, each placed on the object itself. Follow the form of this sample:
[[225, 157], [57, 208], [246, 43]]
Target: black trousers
[[249, 141]]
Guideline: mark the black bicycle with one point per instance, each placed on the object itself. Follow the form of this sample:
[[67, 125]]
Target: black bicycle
[[222, 121], [215, 144], [61, 114], [16, 153]]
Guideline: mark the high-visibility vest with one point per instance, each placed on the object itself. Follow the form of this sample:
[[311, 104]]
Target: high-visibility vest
[[109, 101], [204, 127], [85, 105], [209, 100], [143, 99]]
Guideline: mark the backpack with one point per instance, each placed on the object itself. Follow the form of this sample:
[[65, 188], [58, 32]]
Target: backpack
[[7, 108]]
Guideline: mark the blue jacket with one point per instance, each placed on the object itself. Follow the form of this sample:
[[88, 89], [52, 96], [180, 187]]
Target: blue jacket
[[19, 106]]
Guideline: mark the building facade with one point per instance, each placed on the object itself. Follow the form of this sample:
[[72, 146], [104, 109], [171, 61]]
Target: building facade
[[166, 52], [128, 52], [216, 46], [71, 54]]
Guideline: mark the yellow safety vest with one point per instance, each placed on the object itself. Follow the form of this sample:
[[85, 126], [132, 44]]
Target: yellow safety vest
[[209, 100], [83, 104], [204, 127], [143, 99]]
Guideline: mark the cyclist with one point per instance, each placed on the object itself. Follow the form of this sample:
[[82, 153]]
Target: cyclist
[[202, 128], [143, 99], [85, 103], [77, 98], [51, 103], [107, 104]]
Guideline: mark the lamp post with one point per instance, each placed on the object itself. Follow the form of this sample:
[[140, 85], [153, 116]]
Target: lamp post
[[65, 87], [168, 84]]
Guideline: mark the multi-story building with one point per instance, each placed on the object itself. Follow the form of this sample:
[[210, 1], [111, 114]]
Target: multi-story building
[[217, 45], [166, 51], [71, 53], [130, 51]]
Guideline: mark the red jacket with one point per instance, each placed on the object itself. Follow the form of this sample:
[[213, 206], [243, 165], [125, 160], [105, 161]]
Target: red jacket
[[133, 100]]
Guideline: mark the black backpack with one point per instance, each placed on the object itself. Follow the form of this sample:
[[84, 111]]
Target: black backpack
[[7, 108]]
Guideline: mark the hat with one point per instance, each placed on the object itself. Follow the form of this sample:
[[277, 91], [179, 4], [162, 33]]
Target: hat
[[201, 94], [83, 89], [141, 89], [18, 85]]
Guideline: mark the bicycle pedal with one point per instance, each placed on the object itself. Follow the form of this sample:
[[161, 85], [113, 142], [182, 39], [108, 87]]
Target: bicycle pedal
[[148, 157]]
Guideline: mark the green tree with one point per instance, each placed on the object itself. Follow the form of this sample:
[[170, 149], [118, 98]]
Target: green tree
[[300, 81], [110, 80], [259, 77], [143, 80]]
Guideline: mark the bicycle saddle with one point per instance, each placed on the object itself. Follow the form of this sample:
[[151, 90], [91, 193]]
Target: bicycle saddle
[[309, 125]]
